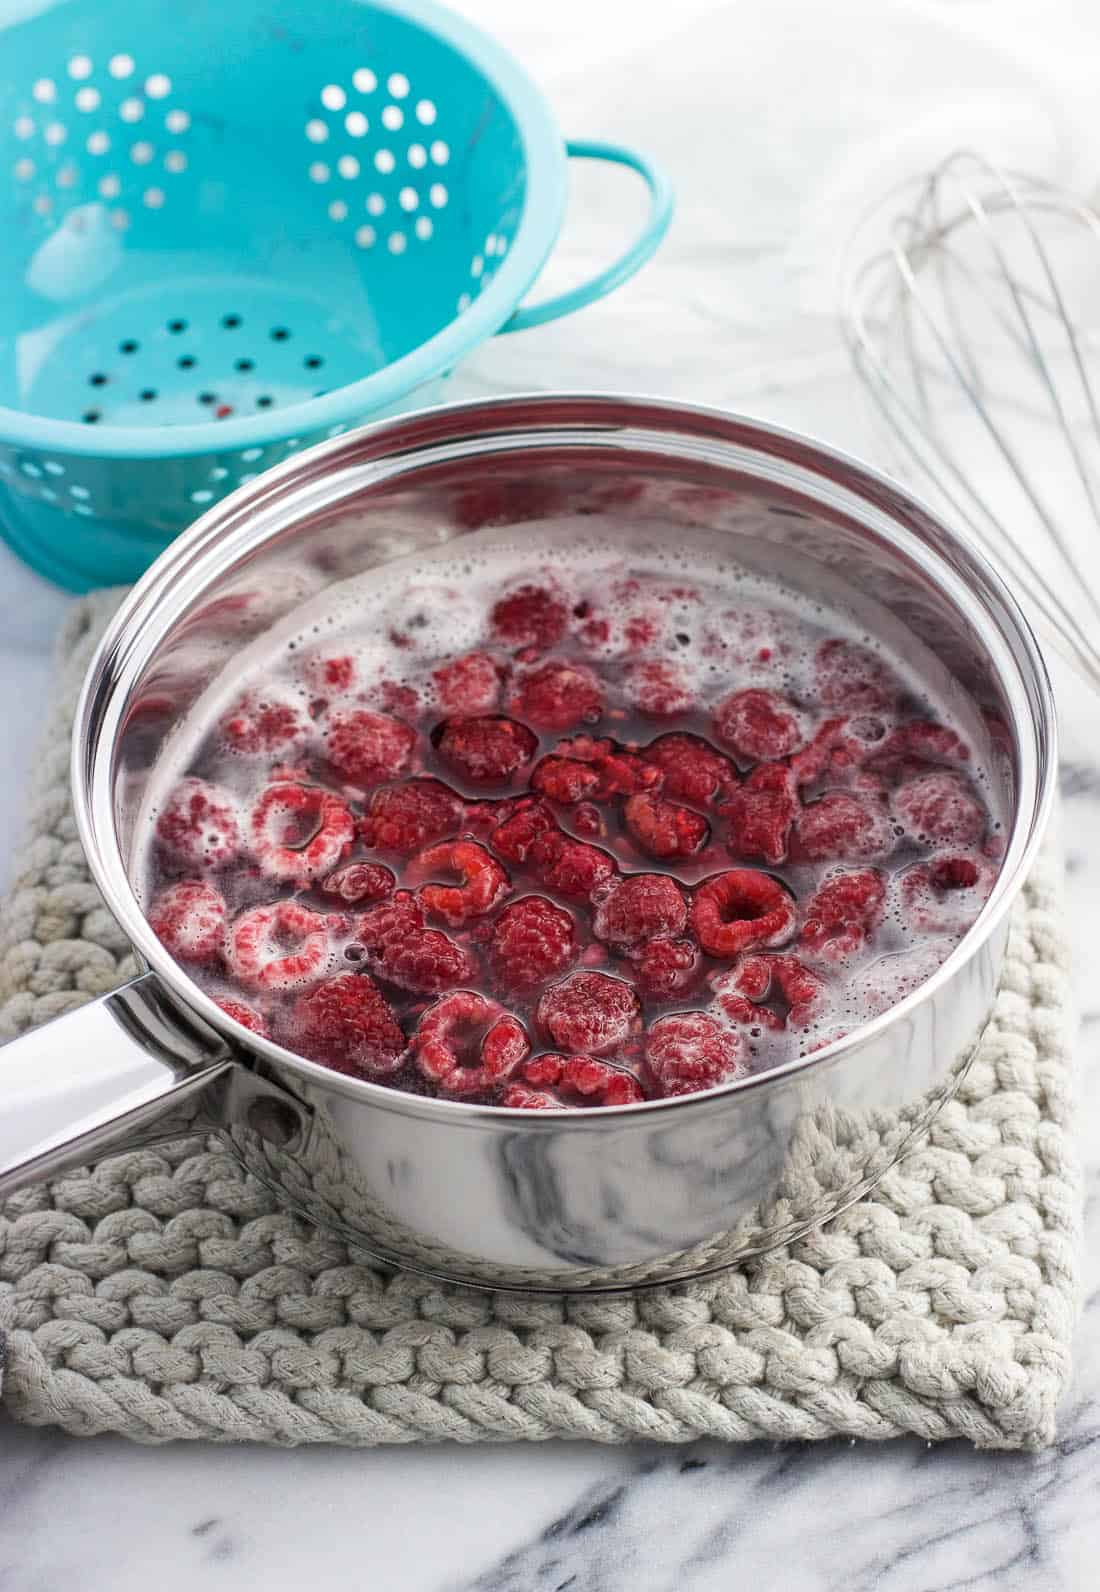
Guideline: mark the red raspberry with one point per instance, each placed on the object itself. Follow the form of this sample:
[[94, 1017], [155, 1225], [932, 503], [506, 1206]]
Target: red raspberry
[[553, 1080], [467, 1045], [620, 773], [247, 1016], [590, 1013], [403, 952], [396, 919], [403, 818], [843, 913], [644, 906], [797, 997], [915, 747], [940, 809], [360, 881], [945, 895], [278, 947], [690, 1051], [693, 771], [839, 747], [468, 685], [346, 1023], [518, 1097], [329, 673], [485, 751], [514, 838], [199, 824], [557, 695], [741, 908], [394, 698], [570, 867], [760, 814], [368, 747], [299, 832], [658, 689], [482, 880], [664, 830], [532, 940], [757, 725], [530, 616], [852, 677], [585, 819], [667, 969], [840, 825], [565, 780], [266, 724], [189, 920]]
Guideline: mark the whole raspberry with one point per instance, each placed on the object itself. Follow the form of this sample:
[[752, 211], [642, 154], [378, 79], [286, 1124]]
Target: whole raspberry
[[690, 1051], [619, 772], [945, 895], [664, 830], [482, 882], [199, 824], [915, 747], [529, 616], [570, 867], [843, 913], [298, 832], [553, 1080], [741, 908], [557, 695], [514, 838], [189, 920], [758, 726], [853, 677], [395, 919], [940, 808], [839, 825], [565, 779], [247, 1016], [404, 818], [467, 1045], [693, 771], [485, 751], [760, 814], [532, 940], [774, 992], [838, 748], [470, 684], [643, 906], [366, 747], [359, 881], [281, 946], [346, 1023], [667, 970], [521, 1097], [266, 723], [658, 689], [399, 949], [590, 1013]]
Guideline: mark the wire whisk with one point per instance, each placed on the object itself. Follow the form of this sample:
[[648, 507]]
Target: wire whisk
[[971, 303]]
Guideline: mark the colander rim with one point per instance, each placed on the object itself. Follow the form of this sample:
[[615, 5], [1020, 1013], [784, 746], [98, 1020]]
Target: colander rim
[[544, 158]]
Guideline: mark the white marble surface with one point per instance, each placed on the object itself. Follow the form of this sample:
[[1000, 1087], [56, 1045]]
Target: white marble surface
[[776, 122]]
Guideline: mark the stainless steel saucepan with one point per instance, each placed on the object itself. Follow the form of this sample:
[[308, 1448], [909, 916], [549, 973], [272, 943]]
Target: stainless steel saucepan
[[567, 1201]]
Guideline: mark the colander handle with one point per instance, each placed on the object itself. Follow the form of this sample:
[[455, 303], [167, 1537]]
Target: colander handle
[[632, 258]]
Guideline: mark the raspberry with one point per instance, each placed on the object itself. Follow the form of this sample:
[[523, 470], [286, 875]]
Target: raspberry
[[553, 1080], [530, 616], [532, 940], [585, 819], [403, 952], [557, 695], [667, 969], [266, 725], [247, 1016], [843, 913], [518, 1097], [838, 747], [644, 906], [300, 831], [482, 880], [741, 908], [396, 919], [570, 867], [945, 895], [839, 825], [468, 1045], [278, 947], [403, 818], [760, 814], [346, 1023], [504, 501], [620, 773], [367, 747], [485, 751], [658, 689], [329, 673], [664, 830], [774, 992], [189, 920], [360, 881], [467, 685], [915, 747], [199, 824], [757, 725], [590, 1013], [565, 780], [693, 771], [940, 809], [399, 700], [689, 1051], [852, 677], [514, 838]]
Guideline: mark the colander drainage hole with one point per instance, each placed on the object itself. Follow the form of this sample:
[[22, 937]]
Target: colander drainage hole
[[147, 394], [177, 326], [231, 321], [208, 397], [264, 401], [90, 416], [97, 379], [314, 362], [279, 334], [129, 345], [243, 364], [186, 361]]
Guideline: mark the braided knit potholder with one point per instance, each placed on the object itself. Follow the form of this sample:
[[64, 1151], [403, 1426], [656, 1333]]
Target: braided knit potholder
[[164, 1295]]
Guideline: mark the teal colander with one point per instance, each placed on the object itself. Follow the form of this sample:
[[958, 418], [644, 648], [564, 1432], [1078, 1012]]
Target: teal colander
[[233, 227]]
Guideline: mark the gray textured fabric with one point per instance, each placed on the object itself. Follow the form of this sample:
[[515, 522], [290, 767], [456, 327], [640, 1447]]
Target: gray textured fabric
[[163, 1295]]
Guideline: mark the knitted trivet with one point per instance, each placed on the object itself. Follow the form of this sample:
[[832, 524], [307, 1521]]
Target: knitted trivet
[[163, 1294]]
